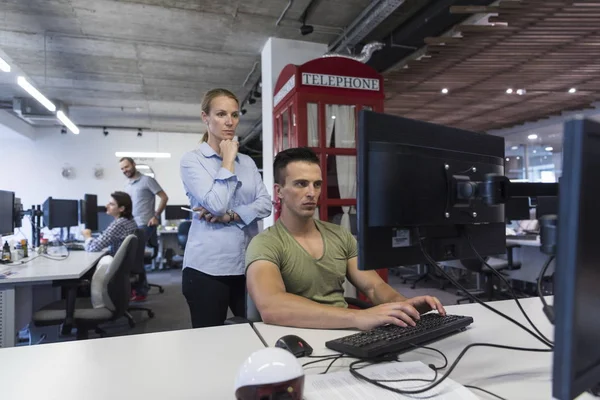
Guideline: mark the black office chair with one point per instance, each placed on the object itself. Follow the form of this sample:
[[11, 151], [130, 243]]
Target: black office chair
[[138, 273], [110, 293], [182, 233], [489, 293], [152, 242]]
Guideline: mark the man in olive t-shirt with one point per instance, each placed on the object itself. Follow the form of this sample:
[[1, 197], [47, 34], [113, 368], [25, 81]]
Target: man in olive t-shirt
[[295, 270]]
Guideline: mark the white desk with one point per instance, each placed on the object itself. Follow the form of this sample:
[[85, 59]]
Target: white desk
[[17, 302], [186, 364], [526, 243], [511, 374]]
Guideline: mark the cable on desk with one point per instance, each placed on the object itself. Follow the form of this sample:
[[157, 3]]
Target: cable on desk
[[434, 350], [332, 357], [475, 299], [514, 296], [484, 391], [331, 364], [548, 310], [376, 382]]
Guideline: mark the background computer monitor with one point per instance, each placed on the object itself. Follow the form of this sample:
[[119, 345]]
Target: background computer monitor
[[7, 210], [517, 208], [104, 220], [174, 212], [407, 175], [60, 213], [546, 205], [88, 212], [576, 366]]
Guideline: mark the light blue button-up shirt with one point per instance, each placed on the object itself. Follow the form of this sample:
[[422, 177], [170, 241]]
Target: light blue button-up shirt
[[217, 248]]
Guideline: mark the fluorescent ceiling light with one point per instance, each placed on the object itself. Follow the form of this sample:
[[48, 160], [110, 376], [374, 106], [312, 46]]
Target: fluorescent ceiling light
[[515, 148], [549, 148], [35, 93], [445, 90], [68, 123], [134, 154], [142, 167], [509, 90], [4, 66], [572, 90], [533, 136]]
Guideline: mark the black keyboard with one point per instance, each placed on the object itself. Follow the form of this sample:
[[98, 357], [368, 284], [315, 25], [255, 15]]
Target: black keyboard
[[75, 246], [391, 339]]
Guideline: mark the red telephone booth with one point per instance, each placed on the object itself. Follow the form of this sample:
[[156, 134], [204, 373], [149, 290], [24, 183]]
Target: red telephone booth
[[316, 105]]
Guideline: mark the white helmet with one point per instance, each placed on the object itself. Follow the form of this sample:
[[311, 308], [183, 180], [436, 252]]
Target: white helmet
[[271, 373]]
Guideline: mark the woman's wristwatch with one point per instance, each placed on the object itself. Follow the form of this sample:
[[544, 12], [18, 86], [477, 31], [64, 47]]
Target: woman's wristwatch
[[231, 214]]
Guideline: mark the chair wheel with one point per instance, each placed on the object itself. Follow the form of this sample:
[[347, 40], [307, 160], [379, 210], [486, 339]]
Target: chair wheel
[[151, 314], [161, 290]]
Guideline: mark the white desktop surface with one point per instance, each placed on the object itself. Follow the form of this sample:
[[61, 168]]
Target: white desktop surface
[[185, 364], [511, 374], [43, 269]]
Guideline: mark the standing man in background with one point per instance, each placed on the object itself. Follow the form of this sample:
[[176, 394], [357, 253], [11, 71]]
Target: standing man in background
[[143, 190]]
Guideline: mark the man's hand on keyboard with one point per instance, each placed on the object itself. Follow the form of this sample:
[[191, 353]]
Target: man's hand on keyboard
[[425, 304], [399, 313]]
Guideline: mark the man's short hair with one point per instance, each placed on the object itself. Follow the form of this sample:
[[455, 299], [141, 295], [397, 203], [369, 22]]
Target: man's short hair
[[127, 159], [283, 158]]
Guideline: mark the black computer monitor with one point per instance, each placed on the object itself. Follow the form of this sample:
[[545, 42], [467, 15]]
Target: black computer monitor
[[517, 209], [421, 180], [175, 212], [104, 220], [577, 276], [546, 205], [7, 213], [60, 213], [88, 212]]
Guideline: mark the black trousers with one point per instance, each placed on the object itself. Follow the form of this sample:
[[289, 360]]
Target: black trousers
[[209, 296]]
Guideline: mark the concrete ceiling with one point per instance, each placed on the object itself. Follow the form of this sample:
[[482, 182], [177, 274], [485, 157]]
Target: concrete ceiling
[[147, 63]]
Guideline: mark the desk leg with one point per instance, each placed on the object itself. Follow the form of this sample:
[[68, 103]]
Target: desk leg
[[161, 252], [8, 331]]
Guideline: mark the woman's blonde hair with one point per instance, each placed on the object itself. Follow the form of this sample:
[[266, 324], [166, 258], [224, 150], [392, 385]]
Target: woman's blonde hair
[[207, 101]]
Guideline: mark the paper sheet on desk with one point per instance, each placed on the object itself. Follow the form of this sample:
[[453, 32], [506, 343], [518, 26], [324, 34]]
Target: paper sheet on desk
[[343, 386]]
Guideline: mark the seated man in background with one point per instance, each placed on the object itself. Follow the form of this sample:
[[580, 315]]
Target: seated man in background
[[295, 270]]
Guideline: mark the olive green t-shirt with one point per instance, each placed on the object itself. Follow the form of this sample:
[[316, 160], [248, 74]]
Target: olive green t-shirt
[[320, 280]]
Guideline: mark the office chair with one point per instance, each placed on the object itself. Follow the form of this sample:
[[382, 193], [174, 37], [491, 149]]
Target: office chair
[[152, 242], [109, 299], [137, 272], [489, 293], [183, 231]]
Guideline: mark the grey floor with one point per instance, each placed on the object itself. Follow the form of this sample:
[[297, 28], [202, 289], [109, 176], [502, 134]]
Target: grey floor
[[171, 311]]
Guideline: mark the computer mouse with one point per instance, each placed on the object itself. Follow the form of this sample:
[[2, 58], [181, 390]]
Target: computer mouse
[[295, 345]]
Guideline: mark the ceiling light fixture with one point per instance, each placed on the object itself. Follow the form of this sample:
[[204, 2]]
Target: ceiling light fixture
[[139, 134], [515, 148], [4, 67], [63, 130], [507, 159], [533, 136], [549, 148], [445, 91], [135, 154], [509, 91], [35, 93], [243, 111], [251, 100], [257, 94], [68, 123], [521, 92], [105, 131], [572, 90]]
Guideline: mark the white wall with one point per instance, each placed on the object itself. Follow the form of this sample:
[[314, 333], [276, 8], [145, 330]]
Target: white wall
[[32, 168]]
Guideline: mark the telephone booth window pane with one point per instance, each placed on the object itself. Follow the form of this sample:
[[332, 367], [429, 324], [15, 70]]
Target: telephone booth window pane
[[341, 177], [312, 116], [285, 119], [344, 216], [340, 125]]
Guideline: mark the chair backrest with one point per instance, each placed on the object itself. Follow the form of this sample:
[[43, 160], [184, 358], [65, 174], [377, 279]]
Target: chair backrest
[[182, 233], [252, 313], [118, 286], [138, 263]]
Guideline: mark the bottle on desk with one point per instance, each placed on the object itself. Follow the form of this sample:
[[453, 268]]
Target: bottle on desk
[[24, 245], [6, 256]]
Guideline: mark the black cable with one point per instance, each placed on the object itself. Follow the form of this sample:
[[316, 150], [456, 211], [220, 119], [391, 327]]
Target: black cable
[[475, 299], [507, 283], [336, 357], [548, 310], [435, 370], [375, 382], [434, 350], [484, 391], [331, 364]]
